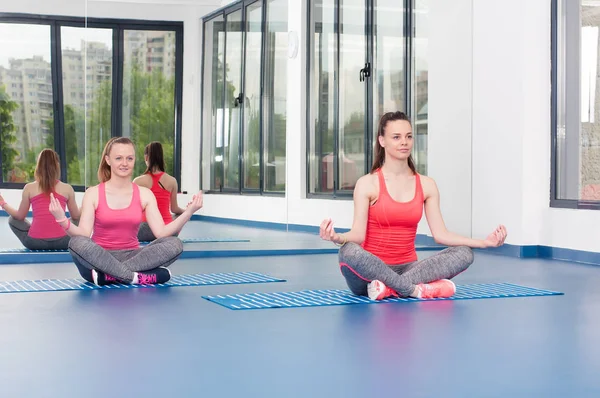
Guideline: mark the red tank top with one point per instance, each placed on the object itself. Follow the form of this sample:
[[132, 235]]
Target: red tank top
[[392, 225], [43, 223], [163, 198], [117, 229]]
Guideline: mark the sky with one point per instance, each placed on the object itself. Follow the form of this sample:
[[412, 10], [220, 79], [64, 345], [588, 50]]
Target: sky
[[24, 41]]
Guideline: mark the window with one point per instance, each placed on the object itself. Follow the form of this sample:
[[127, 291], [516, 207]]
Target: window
[[113, 88], [20, 63], [575, 104], [244, 97], [361, 64]]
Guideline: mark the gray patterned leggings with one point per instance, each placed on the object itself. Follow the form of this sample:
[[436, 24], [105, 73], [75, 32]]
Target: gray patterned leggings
[[123, 263], [360, 267]]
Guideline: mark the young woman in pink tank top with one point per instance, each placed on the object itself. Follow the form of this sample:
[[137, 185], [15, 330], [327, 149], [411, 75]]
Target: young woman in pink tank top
[[377, 256], [163, 186], [104, 245], [43, 233]]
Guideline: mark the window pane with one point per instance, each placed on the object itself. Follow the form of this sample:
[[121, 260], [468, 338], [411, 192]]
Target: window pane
[[214, 73], [420, 84], [149, 92], [251, 101], [275, 95], [388, 80], [26, 101], [87, 99], [322, 86], [589, 175], [233, 107], [351, 161]]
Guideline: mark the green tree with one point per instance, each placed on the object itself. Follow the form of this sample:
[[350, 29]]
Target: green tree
[[7, 133], [151, 103]]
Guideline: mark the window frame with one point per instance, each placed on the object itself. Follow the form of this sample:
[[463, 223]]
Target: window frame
[[554, 105], [240, 190], [118, 26], [408, 27]]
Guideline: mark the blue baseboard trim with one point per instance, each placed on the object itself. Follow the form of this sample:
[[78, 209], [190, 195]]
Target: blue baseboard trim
[[521, 251], [65, 257]]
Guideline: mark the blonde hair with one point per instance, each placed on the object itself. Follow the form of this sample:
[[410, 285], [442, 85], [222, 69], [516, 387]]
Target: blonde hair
[[47, 170], [104, 168]]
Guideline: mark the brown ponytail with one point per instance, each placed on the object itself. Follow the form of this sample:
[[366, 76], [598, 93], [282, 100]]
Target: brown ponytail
[[47, 170]]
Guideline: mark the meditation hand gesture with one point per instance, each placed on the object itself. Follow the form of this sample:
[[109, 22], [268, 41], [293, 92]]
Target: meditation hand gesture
[[56, 209], [496, 238], [327, 232], [196, 203]]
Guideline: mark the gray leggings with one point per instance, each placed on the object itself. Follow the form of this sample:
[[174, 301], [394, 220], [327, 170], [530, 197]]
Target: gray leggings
[[360, 267], [123, 263], [145, 233], [21, 230]]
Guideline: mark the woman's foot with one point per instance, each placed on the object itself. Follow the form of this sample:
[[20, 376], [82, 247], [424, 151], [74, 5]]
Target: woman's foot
[[157, 275], [377, 290], [101, 279], [443, 288]]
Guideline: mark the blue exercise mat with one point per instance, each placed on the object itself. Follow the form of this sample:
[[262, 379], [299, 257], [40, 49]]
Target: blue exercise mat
[[48, 285], [317, 298]]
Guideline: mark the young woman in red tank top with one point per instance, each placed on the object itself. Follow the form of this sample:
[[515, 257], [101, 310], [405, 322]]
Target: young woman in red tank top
[[43, 233], [377, 256], [162, 185], [104, 246]]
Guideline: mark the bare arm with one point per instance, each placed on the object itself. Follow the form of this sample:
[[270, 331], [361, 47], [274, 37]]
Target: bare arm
[[174, 205], [87, 217], [438, 228], [362, 197], [74, 210], [21, 212], [154, 218]]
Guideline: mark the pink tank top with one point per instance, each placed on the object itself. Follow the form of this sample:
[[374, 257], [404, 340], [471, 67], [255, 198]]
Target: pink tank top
[[43, 224], [392, 226], [117, 229]]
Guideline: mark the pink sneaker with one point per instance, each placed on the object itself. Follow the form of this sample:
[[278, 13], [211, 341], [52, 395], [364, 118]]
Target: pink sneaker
[[101, 279], [439, 289], [378, 291], [158, 275]]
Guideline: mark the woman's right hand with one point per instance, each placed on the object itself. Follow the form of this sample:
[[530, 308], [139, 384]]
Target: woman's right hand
[[56, 209], [327, 232]]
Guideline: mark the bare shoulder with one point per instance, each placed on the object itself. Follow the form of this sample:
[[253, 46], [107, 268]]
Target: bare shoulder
[[144, 180], [64, 188], [145, 193], [30, 187], [92, 191], [367, 185], [171, 181], [429, 186]]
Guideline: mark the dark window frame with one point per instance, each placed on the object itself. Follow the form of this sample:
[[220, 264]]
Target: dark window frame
[[554, 103], [118, 26], [240, 190], [408, 22]]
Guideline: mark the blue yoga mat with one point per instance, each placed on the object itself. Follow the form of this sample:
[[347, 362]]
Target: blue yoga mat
[[318, 298], [53, 285]]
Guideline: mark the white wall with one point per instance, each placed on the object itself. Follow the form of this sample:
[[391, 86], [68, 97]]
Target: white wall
[[450, 109]]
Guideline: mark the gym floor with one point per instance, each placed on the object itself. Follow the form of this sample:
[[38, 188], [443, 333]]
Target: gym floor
[[172, 342]]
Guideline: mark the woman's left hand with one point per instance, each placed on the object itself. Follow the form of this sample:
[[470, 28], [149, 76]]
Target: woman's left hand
[[496, 238]]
